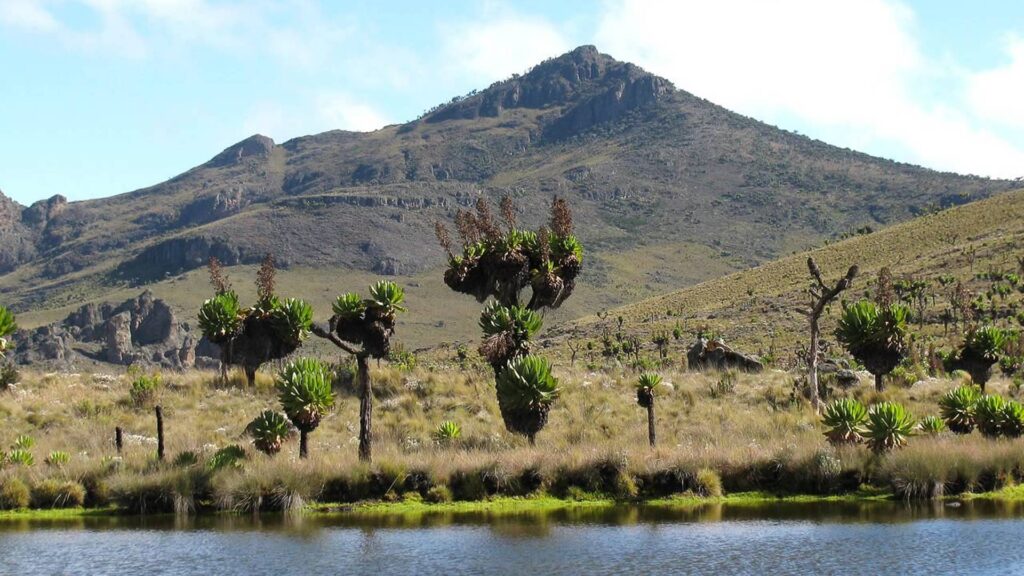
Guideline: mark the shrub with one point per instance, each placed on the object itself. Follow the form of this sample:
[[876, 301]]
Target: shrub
[[14, 494], [438, 494], [707, 482], [21, 457], [58, 458], [143, 389], [7, 327], [989, 415], [185, 459], [52, 493], [269, 431], [845, 420], [889, 425], [227, 457], [447, 433], [8, 376], [932, 425], [24, 442], [957, 408]]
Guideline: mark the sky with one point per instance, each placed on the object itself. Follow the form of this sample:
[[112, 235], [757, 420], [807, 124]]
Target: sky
[[100, 97]]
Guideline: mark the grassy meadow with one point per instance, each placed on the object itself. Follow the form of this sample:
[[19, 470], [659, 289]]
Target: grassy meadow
[[718, 433]]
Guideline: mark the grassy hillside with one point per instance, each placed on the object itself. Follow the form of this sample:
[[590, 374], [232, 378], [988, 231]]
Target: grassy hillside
[[668, 190], [756, 309]]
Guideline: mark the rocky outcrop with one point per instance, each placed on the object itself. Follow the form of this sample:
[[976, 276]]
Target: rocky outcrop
[[593, 87], [143, 330], [715, 355], [118, 334], [17, 241], [178, 255], [256, 146]]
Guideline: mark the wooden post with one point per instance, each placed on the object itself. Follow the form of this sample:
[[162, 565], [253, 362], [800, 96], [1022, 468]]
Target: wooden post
[[118, 439], [159, 434]]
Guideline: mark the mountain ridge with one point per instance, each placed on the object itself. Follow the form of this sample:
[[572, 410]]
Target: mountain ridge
[[653, 172]]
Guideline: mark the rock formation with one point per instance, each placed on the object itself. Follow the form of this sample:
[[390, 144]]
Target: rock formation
[[143, 330], [715, 355]]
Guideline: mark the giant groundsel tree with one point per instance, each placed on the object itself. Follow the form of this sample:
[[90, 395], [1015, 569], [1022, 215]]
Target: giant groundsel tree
[[363, 327], [876, 335], [250, 337], [500, 263]]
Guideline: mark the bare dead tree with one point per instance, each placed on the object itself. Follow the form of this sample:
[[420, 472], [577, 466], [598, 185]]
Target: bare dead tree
[[821, 295]]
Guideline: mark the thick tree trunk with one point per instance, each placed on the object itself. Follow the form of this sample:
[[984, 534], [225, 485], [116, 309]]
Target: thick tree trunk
[[118, 439], [650, 424], [365, 409], [303, 444], [159, 433], [250, 376], [812, 364], [879, 385], [533, 439]]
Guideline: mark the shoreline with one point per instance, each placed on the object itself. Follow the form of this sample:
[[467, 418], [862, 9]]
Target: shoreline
[[512, 505]]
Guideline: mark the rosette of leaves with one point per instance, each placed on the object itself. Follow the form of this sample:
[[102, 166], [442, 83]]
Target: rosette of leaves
[[447, 433], [507, 333], [526, 389], [989, 414], [465, 274], [269, 431], [957, 408], [982, 349], [7, 327], [369, 322], [1011, 424], [931, 425], [292, 319], [844, 419], [645, 386], [889, 425], [220, 317], [304, 388], [875, 335]]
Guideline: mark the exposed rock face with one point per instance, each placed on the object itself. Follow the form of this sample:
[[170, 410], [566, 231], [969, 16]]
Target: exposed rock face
[[180, 254], [594, 87], [119, 339], [17, 241], [715, 355], [256, 146], [143, 330]]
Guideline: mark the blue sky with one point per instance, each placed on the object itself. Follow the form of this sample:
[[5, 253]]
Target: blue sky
[[101, 97]]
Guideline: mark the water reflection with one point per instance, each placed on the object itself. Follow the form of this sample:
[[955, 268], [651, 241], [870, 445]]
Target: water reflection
[[538, 523], [778, 538]]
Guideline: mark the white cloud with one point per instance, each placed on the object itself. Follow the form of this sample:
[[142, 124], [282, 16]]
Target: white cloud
[[318, 113], [342, 111], [995, 94], [27, 15], [499, 44], [851, 69]]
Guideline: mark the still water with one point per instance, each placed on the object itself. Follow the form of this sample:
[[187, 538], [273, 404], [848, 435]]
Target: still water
[[791, 538]]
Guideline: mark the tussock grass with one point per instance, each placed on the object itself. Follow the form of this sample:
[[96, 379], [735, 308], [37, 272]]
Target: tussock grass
[[760, 436]]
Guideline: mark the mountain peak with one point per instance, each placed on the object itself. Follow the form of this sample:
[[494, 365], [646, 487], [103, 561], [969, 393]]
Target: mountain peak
[[591, 87], [255, 145]]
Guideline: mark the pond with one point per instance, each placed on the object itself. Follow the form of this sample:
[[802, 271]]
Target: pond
[[781, 538]]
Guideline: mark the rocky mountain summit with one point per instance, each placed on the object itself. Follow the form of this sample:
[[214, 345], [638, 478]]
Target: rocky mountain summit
[[667, 189]]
